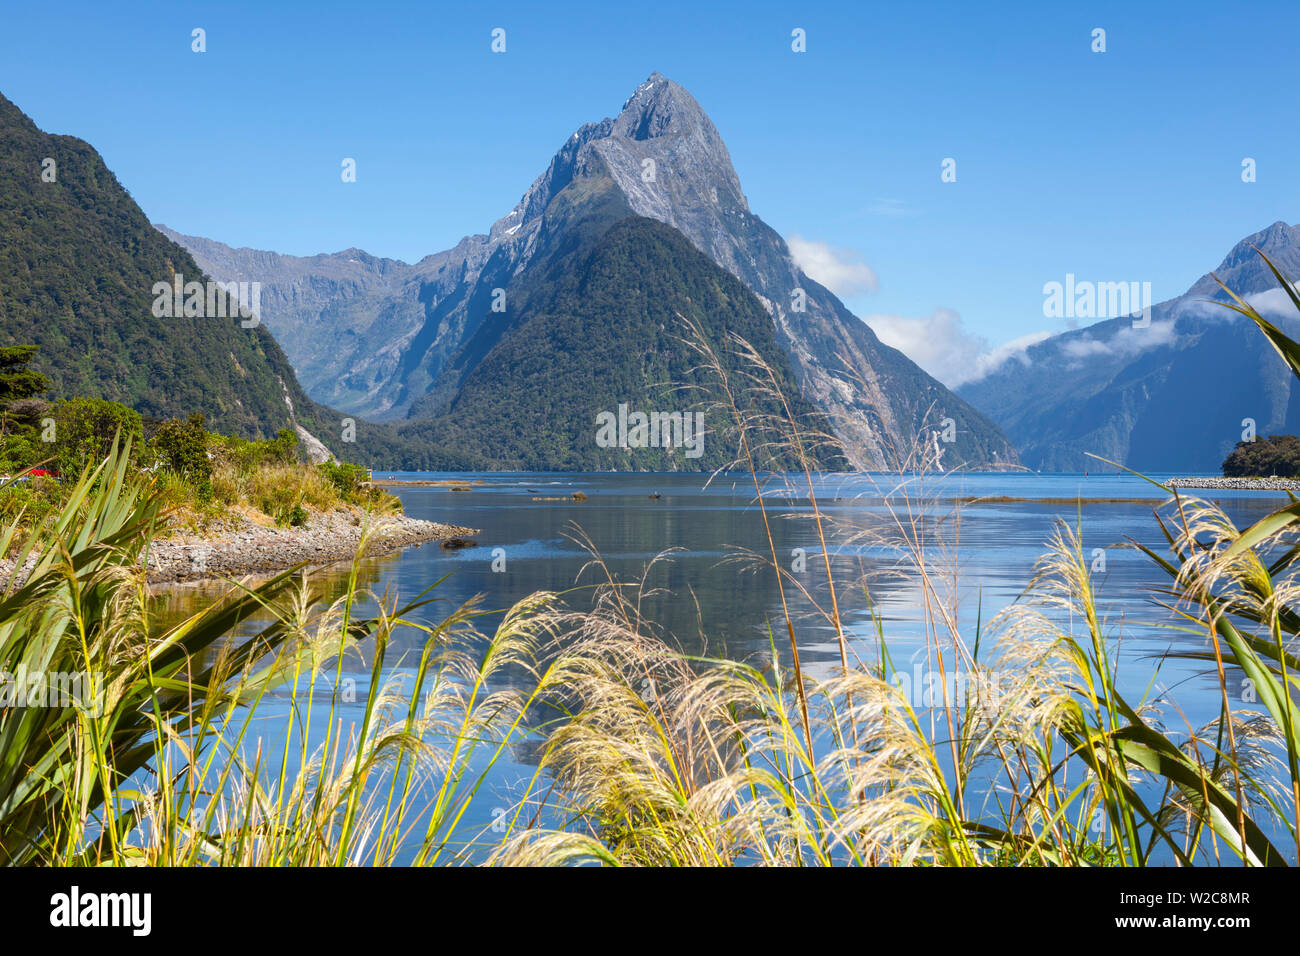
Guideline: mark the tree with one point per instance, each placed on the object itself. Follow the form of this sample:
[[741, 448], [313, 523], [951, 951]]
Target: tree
[[1275, 455], [84, 429], [182, 447], [17, 381], [20, 410], [284, 447]]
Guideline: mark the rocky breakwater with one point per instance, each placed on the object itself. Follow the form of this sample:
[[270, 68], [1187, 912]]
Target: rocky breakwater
[[235, 545], [327, 537], [1238, 484]]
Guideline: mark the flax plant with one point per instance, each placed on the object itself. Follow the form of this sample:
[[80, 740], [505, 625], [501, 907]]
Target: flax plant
[[159, 761]]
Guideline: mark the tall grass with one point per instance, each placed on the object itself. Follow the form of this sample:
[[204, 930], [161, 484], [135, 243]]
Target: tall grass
[[153, 762], [262, 490], [1041, 759], [1029, 753]]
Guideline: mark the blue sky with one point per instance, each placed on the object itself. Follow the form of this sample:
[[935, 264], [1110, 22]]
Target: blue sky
[[1115, 166]]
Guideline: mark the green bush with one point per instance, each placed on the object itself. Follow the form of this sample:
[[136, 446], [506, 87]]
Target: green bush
[[346, 478], [182, 447], [1275, 455], [247, 456], [26, 505], [84, 429], [18, 450], [283, 448], [21, 498]]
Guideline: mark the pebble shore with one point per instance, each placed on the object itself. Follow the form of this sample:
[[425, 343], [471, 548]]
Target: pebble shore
[[1238, 484], [236, 546]]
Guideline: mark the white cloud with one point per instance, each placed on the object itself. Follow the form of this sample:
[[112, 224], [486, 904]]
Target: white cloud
[[1273, 302], [1017, 348], [1128, 341], [840, 270], [941, 345]]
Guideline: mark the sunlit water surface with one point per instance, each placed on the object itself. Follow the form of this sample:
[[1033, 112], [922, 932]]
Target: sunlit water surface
[[983, 553]]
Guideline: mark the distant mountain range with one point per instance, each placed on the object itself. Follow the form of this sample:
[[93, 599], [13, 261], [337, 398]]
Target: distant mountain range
[[422, 344], [78, 265], [504, 351], [1169, 397]]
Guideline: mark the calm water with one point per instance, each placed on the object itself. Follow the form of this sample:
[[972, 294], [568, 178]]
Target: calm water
[[718, 608]]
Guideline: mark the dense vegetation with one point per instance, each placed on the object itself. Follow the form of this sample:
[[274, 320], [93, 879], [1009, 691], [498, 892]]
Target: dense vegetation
[[616, 321], [78, 262], [198, 476], [1264, 457]]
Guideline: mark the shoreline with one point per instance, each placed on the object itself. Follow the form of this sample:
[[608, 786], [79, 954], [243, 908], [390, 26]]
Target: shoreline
[[1238, 484], [242, 547], [453, 484]]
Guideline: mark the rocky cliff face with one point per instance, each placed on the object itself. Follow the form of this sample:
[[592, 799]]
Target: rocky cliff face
[[344, 319], [667, 157], [386, 339], [1169, 397]]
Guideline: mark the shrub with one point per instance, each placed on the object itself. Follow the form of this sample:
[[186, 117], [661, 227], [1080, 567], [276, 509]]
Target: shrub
[[22, 424], [247, 456], [84, 429], [177, 497], [18, 451], [283, 449], [225, 485], [352, 483], [25, 506], [346, 478], [182, 448], [1275, 455], [279, 490]]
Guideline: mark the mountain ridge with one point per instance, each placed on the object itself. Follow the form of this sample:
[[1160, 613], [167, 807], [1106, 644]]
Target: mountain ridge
[[78, 264], [1140, 396], [381, 348]]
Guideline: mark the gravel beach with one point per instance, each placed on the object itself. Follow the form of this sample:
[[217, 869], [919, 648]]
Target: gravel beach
[[236, 546], [1238, 484]]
